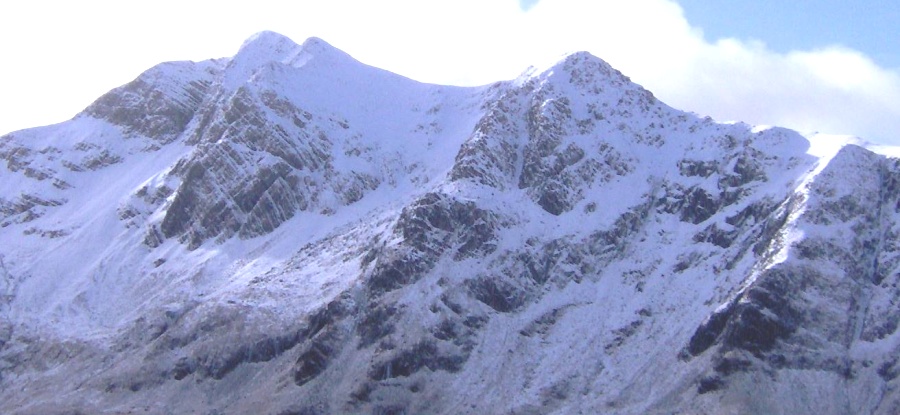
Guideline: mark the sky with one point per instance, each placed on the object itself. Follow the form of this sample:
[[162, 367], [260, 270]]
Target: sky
[[813, 65], [869, 26]]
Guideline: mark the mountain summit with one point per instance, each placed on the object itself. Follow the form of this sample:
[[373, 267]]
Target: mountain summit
[[290, 231]]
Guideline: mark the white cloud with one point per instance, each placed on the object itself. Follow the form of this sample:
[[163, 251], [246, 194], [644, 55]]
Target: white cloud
[[830, 90], [62, 56]]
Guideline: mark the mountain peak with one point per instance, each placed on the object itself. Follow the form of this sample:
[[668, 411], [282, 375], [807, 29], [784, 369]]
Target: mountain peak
[[265, 48], [275, 44], [317, 46], [260, 49], [582, 58], [267, 42], [573, 65]]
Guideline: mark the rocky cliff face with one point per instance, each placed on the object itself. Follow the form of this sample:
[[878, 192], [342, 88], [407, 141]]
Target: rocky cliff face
[[289, 231]]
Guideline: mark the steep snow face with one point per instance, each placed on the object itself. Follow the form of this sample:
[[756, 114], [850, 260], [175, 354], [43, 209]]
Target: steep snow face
[[292, 231], [247, 157], [160, 102], [820, 317], [271, 147]]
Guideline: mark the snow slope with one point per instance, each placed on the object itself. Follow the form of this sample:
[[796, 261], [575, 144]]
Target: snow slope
[[292, 231]]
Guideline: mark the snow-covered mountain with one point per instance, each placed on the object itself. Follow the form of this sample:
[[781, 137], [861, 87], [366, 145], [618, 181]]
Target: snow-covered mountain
[[290, 231]]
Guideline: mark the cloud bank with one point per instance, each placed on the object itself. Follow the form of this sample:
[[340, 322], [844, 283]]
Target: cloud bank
[[465, 42]]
